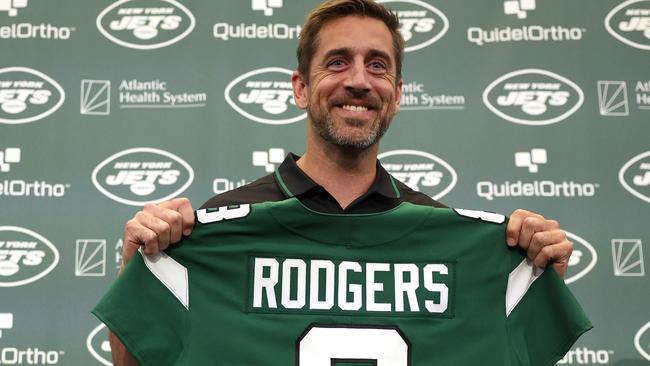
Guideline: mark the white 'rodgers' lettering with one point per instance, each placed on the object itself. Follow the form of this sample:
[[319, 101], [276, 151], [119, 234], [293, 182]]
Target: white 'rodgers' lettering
[[288, 278]]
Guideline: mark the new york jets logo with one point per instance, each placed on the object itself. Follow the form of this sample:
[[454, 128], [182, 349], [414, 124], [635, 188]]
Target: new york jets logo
[[629, 22], [264, 95], [141, 175], [634, 176], [533, 97], [98, 346], [25, 256], [421, 24], [642, 341], [420, 171], [583, 259], [145, 24], [27, 95]]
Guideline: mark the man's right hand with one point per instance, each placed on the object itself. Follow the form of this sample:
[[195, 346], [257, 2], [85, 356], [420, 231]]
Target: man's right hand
[[157, 226]]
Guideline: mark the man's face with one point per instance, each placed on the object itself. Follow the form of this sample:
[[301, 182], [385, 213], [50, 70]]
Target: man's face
[[352, 93]]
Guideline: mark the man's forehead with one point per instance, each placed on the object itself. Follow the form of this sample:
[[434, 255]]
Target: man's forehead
[[354, 34]]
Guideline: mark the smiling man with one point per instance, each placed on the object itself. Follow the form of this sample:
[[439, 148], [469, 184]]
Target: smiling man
[[351, 91], [335, 212]]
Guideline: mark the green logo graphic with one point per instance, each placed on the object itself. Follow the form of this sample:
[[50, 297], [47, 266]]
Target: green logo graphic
[[25, 256], [27, 95], [629, 22], [141, 175], [635, 176], [421, 171], [583, 259], [145, 24], [533, 97], [421, 24], [265, 95]]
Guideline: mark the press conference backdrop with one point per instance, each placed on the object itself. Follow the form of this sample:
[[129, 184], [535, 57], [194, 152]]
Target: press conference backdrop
[[105, 106]]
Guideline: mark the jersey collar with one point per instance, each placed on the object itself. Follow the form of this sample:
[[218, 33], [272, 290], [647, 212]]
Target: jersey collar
[[294, 182]]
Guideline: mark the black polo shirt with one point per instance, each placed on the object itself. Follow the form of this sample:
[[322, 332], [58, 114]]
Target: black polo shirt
[[289, 181]]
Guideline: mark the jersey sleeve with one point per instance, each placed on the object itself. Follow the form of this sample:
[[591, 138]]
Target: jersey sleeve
[[148, 319], [544, 320]]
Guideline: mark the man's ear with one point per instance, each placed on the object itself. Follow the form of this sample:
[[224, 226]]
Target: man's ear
[[300, 93]]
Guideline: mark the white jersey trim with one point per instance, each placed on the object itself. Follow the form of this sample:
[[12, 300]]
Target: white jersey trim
[[171, 273], [492, 217], [519, 281]]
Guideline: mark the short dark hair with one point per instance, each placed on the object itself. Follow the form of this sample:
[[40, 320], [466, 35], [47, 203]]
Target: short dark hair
[[334, 9]]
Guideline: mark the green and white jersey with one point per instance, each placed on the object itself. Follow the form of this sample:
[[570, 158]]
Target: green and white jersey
[[277, 284]]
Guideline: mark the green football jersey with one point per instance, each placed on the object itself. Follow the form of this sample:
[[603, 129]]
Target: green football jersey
[[278, 284]]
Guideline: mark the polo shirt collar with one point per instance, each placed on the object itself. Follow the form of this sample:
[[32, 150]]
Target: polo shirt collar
[[294, 182]]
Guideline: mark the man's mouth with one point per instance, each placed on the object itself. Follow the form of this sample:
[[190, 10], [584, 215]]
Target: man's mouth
[[354, 108]]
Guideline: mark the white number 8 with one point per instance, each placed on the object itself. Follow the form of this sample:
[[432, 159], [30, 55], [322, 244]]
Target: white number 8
[[324, 345], [222, 213]]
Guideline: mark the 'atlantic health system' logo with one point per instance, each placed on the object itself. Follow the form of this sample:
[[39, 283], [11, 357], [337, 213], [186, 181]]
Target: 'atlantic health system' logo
[[265, 95], [583, 259], [421, 24], [27, 95], [145, 24], [420, 171], [141, 175], [634, 176], [25, 256], [629, 22], [533, 97]]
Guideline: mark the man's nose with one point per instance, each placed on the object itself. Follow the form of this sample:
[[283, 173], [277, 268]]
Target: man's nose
[[357, 77]]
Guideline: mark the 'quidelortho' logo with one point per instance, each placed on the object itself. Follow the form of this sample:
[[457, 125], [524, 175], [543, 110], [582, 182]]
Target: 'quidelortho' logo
[[629, 22], [98, 346], [145, 24], [533, 97], [635, 176], [265, 96], [421, 171], [27, 95], [420, 23], [583, 259], [25, 256], [141, 175]]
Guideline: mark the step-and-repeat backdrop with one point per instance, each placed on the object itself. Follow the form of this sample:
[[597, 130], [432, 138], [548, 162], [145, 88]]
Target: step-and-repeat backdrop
[[104, 106]]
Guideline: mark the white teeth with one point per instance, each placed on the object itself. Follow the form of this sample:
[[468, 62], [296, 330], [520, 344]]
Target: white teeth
[[355, 108]]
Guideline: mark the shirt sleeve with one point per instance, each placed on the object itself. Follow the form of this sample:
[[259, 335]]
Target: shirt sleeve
[[143, 313], [545, 322]]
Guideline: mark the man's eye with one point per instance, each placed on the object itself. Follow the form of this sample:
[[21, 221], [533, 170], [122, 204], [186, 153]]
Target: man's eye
[[336, 63], [377, 66]]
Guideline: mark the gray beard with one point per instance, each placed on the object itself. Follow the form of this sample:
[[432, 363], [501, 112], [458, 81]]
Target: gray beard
[[325, 129]]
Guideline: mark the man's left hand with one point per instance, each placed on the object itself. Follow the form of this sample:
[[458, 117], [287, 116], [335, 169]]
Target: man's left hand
[[543, 240]]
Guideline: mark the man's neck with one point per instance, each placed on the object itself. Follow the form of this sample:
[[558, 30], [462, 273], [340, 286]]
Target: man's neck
[[345, 174]]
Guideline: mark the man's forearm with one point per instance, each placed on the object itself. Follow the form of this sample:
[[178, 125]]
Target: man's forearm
[[121, 356]]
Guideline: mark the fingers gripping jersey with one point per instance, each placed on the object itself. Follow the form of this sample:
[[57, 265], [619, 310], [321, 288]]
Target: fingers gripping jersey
[[278, 284]]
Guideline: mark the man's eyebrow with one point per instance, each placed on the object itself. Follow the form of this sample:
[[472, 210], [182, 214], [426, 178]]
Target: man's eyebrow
[[345, 51], [379, 54]]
